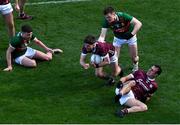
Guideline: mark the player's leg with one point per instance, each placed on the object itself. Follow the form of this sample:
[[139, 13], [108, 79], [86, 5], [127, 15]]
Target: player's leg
[[43, 56], [117, 43], [9, 20], [115, 69], [135, 105], [25, 61], [22, 14], [124, 89], [133, 50], [101, 74]]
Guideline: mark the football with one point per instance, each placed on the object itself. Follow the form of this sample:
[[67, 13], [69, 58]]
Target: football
[[96, 59]]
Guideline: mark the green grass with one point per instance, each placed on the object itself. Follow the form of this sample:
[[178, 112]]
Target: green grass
[[60, 91]]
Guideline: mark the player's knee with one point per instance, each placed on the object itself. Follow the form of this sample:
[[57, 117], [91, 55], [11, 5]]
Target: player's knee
[[48, 58], [33, 64], [144, 107]]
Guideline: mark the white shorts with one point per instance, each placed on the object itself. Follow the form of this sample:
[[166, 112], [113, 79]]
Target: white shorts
[[119, 42], [114, 58], [125, 97], [29, 53], [6, 9]]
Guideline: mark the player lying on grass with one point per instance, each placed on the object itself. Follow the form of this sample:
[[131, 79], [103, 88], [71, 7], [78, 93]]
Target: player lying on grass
[[135, 89], [22, 54], [105, 50]]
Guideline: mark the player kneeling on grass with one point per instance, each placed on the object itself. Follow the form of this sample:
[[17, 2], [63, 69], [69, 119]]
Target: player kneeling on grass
[[22, 54], [107, 52], [135, 89]]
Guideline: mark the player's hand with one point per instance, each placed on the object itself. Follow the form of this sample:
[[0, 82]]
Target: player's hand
[[17, 8], [9, 68], [86, 66], [128, 36]]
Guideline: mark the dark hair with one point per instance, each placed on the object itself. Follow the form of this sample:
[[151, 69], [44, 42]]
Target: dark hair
[[90, 39], [108, 10], [26, 28], [159, 69]]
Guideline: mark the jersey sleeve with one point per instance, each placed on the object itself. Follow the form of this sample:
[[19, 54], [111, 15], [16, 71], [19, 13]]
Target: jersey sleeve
[[127, 17], [84, 51], [14, 42], [105, 24]]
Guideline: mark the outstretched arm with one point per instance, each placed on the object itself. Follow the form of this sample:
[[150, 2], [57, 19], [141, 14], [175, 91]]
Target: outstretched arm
[[8, 58], [42, 45], [82, 61]]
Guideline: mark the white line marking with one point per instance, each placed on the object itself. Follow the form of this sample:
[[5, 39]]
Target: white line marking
[[55, 2]]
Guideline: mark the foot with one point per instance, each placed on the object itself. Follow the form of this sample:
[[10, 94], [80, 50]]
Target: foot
[[24, 16], [135, 67], [56, 51], [120, 113]]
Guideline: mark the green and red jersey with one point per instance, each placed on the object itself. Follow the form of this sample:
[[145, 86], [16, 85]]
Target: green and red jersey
[[121, 25], [20, 44]]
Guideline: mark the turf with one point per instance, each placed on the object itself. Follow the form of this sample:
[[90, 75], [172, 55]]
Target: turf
[[60, 91]]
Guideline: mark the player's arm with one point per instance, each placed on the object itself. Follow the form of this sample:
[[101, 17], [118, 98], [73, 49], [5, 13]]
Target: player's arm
[[137, 25], [8, 58], [127, 78], [42, 45], [102, 35], [82, 61]]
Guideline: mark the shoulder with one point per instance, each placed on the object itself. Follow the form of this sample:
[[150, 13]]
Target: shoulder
[[16, 39], [83, 50]]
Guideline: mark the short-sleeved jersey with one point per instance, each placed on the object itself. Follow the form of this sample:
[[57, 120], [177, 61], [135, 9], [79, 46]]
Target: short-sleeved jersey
[[3, 2], [19, 44], [121, 25], [144, 85], [101, 49]]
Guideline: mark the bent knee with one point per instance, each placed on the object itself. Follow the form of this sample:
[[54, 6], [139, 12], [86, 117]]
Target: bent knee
[[144, 107], [48, 58], [34, 64]]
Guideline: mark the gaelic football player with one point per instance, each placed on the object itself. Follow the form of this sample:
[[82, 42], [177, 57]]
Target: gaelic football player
[[125, 28], [19, 51], [105, 50]]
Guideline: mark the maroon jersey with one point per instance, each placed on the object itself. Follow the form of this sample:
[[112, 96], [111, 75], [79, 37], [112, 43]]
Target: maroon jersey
[[3, 2], [101, 49], [144, 85]]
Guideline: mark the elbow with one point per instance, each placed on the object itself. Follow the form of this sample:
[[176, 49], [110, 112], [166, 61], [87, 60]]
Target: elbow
[[140, 24]]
